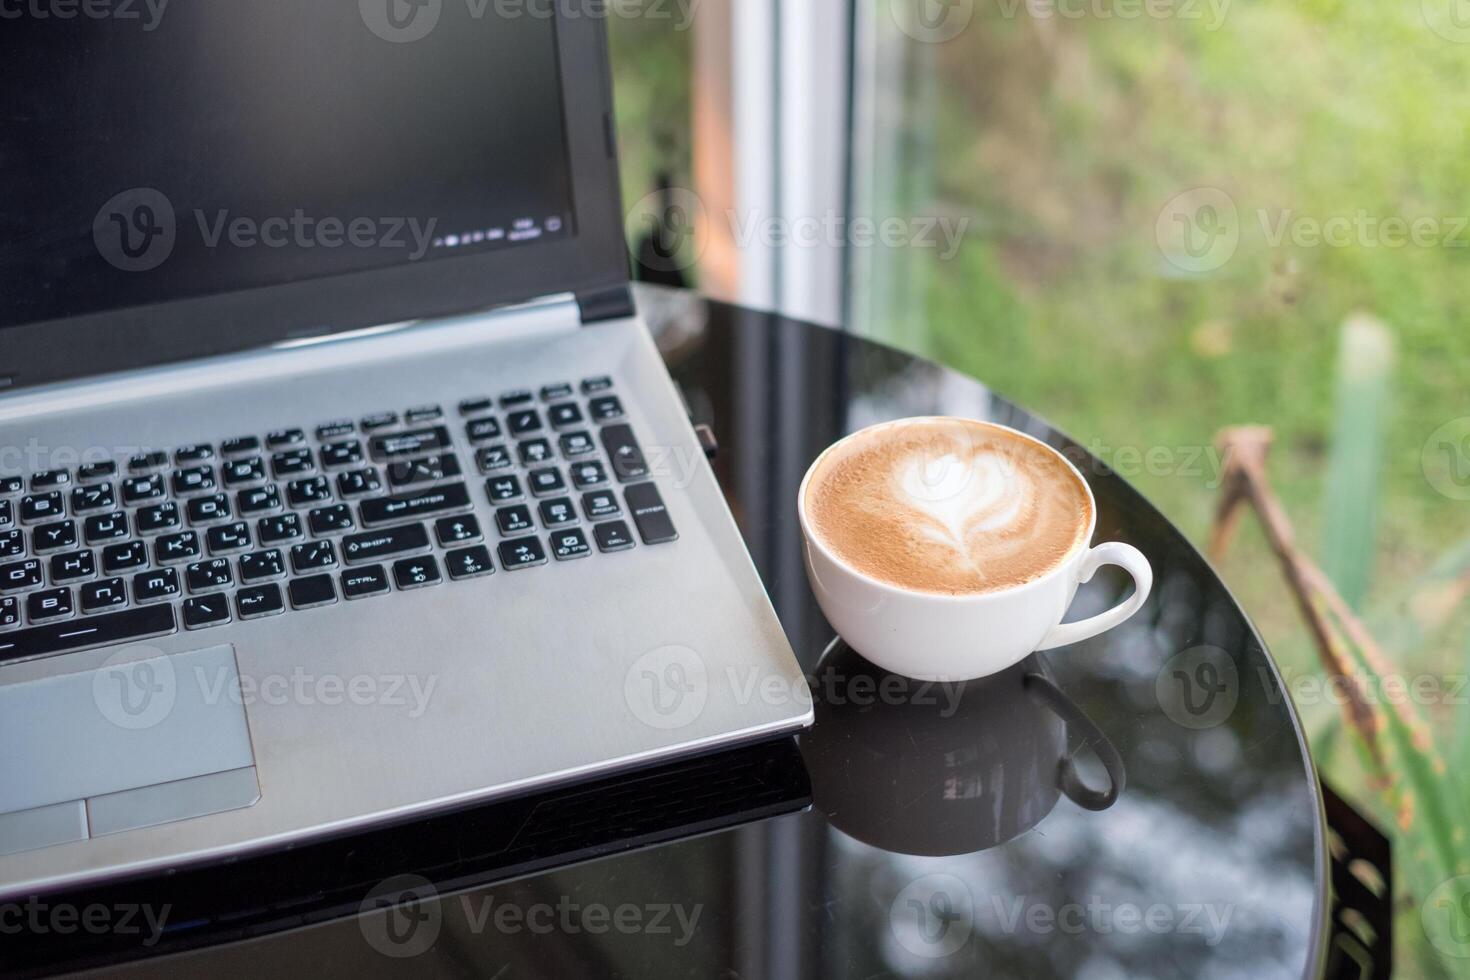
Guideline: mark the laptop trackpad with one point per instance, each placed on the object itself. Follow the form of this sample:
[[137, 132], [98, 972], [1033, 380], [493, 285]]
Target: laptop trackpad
[[123, 747]]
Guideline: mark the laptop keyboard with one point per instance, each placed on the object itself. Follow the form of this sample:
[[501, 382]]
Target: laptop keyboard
[[302, 518]]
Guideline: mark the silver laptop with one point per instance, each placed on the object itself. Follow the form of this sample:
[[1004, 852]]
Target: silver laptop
[[339, 480]]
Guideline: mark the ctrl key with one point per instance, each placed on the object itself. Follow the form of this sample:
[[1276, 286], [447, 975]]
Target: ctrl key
[[369, 580]]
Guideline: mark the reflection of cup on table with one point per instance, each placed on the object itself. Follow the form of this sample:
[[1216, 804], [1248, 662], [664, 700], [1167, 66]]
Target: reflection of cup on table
[[932, 769], [947, 548]]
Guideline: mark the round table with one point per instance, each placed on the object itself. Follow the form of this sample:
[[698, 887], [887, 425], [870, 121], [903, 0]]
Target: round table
[[1138, 805]]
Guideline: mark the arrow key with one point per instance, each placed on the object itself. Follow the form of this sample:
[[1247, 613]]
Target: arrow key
[[469, 562], [521, 553], [415, 573]]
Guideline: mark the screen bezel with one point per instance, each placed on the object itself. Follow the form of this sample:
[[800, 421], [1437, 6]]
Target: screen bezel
[[593, 258]]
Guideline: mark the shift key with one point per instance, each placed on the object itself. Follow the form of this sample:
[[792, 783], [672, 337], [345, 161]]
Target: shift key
[[650, 514], [373, 545], [412, 506]]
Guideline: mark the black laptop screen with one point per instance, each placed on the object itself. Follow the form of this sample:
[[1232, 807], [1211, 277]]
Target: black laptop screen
[[154, 151]]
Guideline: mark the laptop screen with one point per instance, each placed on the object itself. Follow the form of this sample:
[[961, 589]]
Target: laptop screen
[[155, 151]]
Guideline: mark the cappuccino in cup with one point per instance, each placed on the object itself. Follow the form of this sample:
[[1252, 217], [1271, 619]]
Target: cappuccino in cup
[[949, 549]]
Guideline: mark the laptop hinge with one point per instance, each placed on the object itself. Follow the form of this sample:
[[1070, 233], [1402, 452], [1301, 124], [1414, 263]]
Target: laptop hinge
[[611, 303]]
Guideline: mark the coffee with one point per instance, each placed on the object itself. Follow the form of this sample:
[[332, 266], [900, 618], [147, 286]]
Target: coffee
[[947, 506]]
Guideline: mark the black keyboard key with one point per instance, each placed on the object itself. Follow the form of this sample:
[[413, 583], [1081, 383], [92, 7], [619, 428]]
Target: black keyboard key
[[649, 514], [375, 545], [519, 396], [600, 504], [474, 406], [258, 500], [414, 442], [19, 576], [613, 536], [314, 590], [208, 510], [313, 555], [564, 416], [514, 520], [124, 557], [422, 413], [328, 431], [355, 483], [50, 479], [54, 537], [493, 458], [593, 386], [140, 488], [159, 517], [204, 611], [521, 553], [9, 611], [379, 420], [258, 601], [534, 451], [282, 527], [359, 583], [553, 392], [330, 520], [292, 463], [96, 497], [106, 594], [146, 462], [11, 484], [196, 453], [415, 573], [105, 527], [311, 490], [606, 408], [71, 566], [545, 482], [240, 445], [411, 506], [574, 444], [228, 538], [524, 422], [41, 507], [97, 472], [176, 547], [502, 488], [206, 576], [429, 469], [194, 479], [482, 430], [588, 474], [151, 586], [259, 566], [240, 472], [50, 604], [348, 452], [570, 544], [110, 628], [12, 543], [558, 511], [469, 562], [7, 513], [282, 438], [457, 530], [622, 448]]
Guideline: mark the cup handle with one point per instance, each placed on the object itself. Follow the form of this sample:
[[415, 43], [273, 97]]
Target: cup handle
[[1125, 556], [1092, 737]]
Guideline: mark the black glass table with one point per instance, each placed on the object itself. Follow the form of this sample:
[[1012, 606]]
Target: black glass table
[[1139, 805]]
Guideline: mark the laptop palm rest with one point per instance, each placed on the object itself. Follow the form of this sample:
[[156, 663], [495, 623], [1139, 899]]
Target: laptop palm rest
[[123, 747]]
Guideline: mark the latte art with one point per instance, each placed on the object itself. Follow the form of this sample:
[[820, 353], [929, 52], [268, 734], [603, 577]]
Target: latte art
[[947, 506]]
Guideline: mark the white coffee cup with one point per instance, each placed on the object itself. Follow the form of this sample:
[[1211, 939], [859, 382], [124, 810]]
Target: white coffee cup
[[961, 637]]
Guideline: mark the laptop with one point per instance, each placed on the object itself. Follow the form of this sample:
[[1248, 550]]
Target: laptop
[[340, 482]]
